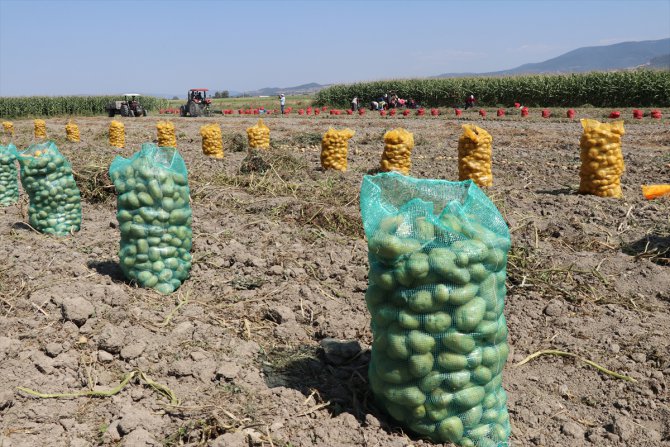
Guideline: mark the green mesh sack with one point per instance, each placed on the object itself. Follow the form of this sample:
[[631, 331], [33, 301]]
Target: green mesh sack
[[55, 200], [9, 179], [154, 215], [437, 252]]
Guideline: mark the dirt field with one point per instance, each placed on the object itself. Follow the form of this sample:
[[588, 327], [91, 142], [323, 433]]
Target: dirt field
[[280, 264]]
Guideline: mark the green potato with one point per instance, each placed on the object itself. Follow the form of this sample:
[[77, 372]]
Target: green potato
[[437, 322], [421, 301], [420, 342], [408, 320], [438, 414], [451, 429], [494, 384], [405, 395], [475, 357], [457, 380], [481, 375], [441, 261], [391, 371], [499, 433], [452, 362], [418, 412], [423, 428], [417, 265], [420, 364], [440, 398], [164, 288], [431, 381], [397, 346], [397, 412], [469, 397], [495, 356], [403, 276], [374, 296], [478, 272], [425, 230], [490, 402], [458, 342], [388, 247], [168, 204], [469, 315], [489, 416], [382, 278], [441, 294], [462, 295], [472, 417]]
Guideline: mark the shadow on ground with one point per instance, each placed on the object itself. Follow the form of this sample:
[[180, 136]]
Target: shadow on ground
[[108, 268], [338, 372], [654, 246]]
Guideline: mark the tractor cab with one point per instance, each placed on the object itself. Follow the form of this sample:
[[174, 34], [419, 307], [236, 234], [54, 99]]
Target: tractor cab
[[199, 95], [197, 103], [129, 106], [131, 99]]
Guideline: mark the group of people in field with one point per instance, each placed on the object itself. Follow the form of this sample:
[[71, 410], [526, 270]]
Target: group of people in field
[[392, 101], [385, 102]]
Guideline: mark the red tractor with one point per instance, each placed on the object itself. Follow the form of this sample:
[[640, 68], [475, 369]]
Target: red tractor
[[197, 103]]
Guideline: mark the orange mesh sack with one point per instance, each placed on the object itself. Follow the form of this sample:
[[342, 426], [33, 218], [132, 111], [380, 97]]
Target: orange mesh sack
[[40, 129], [117, 134], [259, 136], [602, 160], [474, 155], [212, 142], [166, 136], [334, 149], [72, 132], [398, 145]]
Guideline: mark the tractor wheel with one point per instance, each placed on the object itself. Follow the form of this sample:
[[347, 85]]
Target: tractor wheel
[[144, 111], [110, 113], [193, 109], [124, 110], [182, 111]]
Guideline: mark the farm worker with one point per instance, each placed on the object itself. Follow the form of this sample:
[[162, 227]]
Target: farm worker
[[282, 102], [354, 103], [374, 105], [470, 102]]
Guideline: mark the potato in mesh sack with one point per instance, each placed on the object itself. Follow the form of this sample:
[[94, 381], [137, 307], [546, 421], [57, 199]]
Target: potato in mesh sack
[[398, 145], [474, 155], [55, 200], [212, 142], [72, 132], [117, 134], [154, 214], [436, 292], [602, 160], [166, 135], [259, 136], [334, 148], [9, 179], [8, 128], [40, 129]]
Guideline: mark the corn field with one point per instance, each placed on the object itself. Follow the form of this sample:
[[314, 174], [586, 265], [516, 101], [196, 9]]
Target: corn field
[[42, 106], [639, 88]]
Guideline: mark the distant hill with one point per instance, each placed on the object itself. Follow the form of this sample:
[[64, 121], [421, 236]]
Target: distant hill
[[601, 58], [303, 89], [660, 62]]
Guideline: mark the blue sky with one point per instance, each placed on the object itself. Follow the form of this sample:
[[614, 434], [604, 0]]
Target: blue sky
[[55, 47]]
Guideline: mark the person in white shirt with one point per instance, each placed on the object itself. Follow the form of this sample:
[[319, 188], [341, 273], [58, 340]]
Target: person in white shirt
[[354, 103], [282, 102]]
